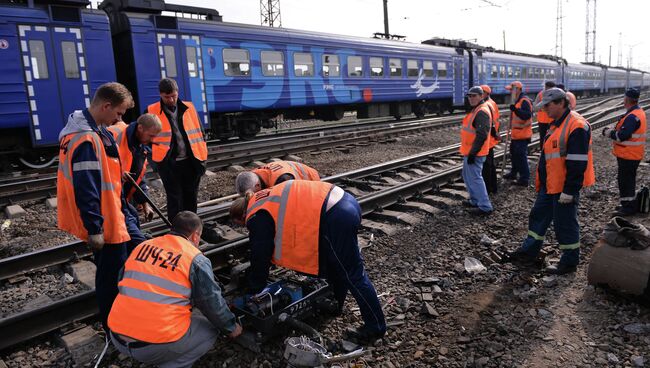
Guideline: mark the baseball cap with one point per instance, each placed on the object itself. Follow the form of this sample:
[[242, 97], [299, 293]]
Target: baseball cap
[[551, 94], [486, 89], [476, 90], [515, 84], [633, 93]]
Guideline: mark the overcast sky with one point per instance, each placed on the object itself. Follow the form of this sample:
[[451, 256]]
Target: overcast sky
[[529, 25]]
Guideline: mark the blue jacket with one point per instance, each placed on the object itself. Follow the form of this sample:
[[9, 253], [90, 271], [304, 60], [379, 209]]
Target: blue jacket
[[140, 152], [630, 125]]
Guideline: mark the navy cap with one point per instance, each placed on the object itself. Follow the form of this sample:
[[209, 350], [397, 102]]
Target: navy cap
[[633, 93], [476, 90]]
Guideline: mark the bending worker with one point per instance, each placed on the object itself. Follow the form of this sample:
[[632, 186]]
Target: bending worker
[[565, 166], [475, 146], [629, 147], [521, 116], [311, 227], [272, 174], [133, 143], [543, 120], [489, 168], [163, 279], [89, 188]]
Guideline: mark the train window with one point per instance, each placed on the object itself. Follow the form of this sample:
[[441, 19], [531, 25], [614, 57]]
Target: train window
[[376, 67], [303, 64], [169, 54], [236, 62], [524, 73], [70, 61], [395, 67], [412, 68], [553, 74], [331, 66], [495, 72], [442, 70], [510, 72], [517, 72], [272, 63], [192, 64], [355, 66], [502, 71], [39, 62], [427, 68]]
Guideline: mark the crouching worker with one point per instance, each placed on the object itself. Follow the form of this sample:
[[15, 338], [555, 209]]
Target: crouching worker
[[273, 174], [163, 278], [311, 227]]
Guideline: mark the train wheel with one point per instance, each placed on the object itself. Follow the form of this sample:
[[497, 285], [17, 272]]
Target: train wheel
[[37, 161]]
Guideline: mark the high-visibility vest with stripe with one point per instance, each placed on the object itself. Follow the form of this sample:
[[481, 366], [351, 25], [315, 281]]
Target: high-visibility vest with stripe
[[153, 304], [494, 109], [521, 129], [542, 116], [468, 133], [633, 148], [295, 206], [192, 126], [126, 156], [555, 153], [69, 217], [270, 173]]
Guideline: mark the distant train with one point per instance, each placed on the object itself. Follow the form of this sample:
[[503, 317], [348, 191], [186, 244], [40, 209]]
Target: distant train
[[56, 53]]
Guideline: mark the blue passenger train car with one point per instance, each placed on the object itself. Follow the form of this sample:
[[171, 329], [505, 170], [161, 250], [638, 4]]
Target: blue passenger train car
[[584, 79], [53, 58]]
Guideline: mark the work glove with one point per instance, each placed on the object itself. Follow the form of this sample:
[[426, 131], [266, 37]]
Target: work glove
[[565, 198], [512, 108], [147, 212], [471, 159], [96, 242], [236, 332], [607, 132]]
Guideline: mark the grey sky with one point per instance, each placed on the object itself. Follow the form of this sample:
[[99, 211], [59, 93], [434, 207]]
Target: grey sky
[[529, 25]]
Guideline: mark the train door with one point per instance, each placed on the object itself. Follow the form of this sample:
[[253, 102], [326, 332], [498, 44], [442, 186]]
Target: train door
[[181, 60], [42, 85], [459, 87]]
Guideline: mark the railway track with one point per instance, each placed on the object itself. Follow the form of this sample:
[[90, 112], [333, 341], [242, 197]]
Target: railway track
[[42, 186], [421, 181]]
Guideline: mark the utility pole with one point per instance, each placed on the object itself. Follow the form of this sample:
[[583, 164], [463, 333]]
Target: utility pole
[[504, 40], [609, 63], [619, 61], [590, 32], [270, 13], [558, 29], [386, 32]]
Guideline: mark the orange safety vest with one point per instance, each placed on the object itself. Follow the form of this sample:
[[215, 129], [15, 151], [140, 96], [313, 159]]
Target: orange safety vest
[[468, 133], [69, 217], [191, 125], [521, 129], [555, 153], [295, 206], [633, 148], [270, 173], [126, 156], [494, 109], [542, 116], [153, 304]]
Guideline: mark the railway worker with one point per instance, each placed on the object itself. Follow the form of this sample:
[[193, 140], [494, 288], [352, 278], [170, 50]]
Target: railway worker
[[272, 174], [521, 116], [179, 151], [134, 144], [543, 120], [89, 187], [570, 96], [311, 227], [489, 168], [474, 147], [152, 319], [565, 166], [628, 138]]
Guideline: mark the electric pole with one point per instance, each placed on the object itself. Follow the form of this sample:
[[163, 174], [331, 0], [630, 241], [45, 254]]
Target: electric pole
[[619, 61], [558, 30], [590, 32], [270, 13]]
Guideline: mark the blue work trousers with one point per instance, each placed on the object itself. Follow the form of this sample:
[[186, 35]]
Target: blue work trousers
[[109, 261], [344, 266], [565, 224], [133, 227], [519, 158], [473, 178]]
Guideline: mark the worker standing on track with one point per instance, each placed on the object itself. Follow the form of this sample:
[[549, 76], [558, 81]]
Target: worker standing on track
[[311, 227], [163, 279], [475, 146], [521, 111], [272, 174], [179, 151], [89, 188], [565, 166], [133, 143], [490, 168], [628, 137], [543, 120]]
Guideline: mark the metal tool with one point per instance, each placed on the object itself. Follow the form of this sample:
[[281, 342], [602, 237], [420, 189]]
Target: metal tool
[[146, 197]]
